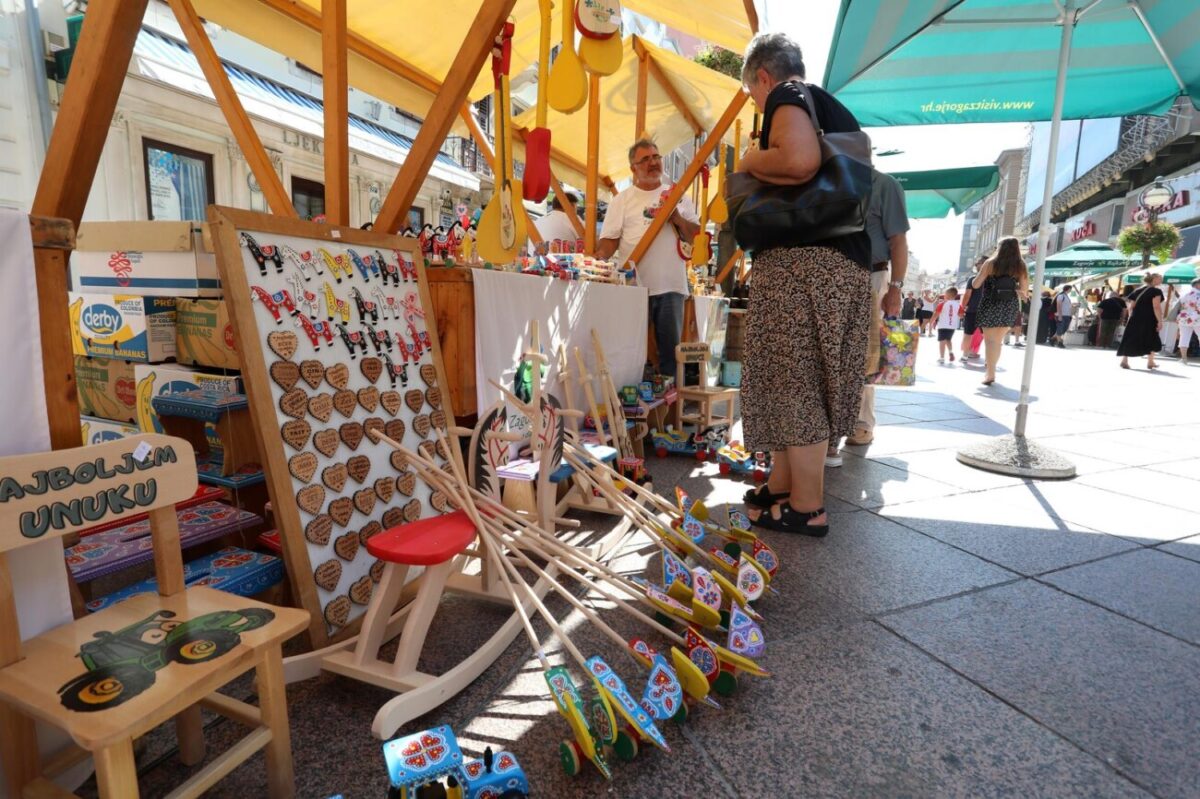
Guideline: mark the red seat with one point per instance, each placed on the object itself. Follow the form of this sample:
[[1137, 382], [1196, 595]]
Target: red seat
[[425, 542]]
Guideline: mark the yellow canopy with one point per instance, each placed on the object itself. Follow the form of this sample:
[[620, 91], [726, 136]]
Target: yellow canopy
[[704, 92], [722, 22]]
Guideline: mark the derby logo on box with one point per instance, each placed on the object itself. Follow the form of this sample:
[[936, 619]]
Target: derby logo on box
[[101, 319]]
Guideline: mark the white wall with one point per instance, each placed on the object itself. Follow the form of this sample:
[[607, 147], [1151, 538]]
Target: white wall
[[21, 134]]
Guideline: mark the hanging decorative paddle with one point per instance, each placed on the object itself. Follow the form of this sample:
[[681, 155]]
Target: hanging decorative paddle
[[599, 22], [537, 142], [502, 227], [567, 89]]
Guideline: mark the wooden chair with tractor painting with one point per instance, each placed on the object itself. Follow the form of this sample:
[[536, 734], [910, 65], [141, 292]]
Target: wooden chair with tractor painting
[[111, 677]]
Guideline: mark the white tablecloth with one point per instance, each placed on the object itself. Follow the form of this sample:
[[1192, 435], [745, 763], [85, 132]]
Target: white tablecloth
[[566, 312]]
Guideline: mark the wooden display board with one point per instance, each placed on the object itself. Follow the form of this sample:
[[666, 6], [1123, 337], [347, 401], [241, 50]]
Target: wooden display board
[[315, 387]]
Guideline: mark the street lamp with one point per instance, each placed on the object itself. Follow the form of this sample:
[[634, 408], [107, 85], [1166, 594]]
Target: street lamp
[[1156, 198]]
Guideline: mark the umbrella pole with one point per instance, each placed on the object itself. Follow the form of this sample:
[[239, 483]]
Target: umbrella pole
[[1016, 455]]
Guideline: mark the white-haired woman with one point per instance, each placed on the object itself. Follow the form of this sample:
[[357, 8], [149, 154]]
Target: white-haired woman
[[806, 336]]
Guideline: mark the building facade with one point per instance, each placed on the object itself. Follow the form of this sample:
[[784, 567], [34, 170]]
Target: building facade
[[970, 239], [1000, 210]]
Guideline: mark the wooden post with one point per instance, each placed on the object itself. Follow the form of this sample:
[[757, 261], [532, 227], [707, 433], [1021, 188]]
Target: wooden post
[[728, 267], [689, 174], [639, 125], [235, 115], [568, 206], [18, 738], [482, 143], [337, 113], [476, 47], [661, 78], [593, 165], [751, 15], [109, 31]]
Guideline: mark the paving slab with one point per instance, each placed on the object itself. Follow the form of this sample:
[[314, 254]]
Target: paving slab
[[874, 565], [935, 412], [1186, 468], [1010, 526], [1097, 445], [1153, 587], [1125, 693], [871, 484], [943, 466], [1162, 487], [1185, 548], [919, 436], [871, 716], [1140, 520]]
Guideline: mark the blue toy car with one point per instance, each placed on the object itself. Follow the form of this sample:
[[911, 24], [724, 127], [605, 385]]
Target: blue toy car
[[417, 764]]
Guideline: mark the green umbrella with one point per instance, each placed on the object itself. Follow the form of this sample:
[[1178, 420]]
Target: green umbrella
[[937, 192], [1177, 273], [1087, 258], [913, 62]]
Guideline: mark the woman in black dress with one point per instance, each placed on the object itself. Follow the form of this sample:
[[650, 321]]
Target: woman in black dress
[[1145, 320], [1005, 282]]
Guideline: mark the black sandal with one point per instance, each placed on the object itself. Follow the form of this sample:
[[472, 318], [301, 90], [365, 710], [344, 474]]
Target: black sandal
[[794, 521], [762, 498]]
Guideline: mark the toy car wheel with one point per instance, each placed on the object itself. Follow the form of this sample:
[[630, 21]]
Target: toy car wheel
[[701, 455], [726, 468], [759, 475], [569, 757], [105, 687], [202, 646], [733, 549], [255, 618], [661, 452], [726, 683], [626, 746]]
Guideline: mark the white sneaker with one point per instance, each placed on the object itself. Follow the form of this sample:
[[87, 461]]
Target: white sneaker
[[833, 461]]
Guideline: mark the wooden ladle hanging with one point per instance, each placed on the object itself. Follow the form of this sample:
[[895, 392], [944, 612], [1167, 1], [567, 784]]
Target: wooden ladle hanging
[[502, 226], [537, 142]]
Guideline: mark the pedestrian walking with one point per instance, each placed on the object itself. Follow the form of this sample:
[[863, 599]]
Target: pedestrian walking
[[947, 323], [1189, 319], [1112, 311], [925, 313], [970, 307], [806, 340], [1046, 318], [909, 309], [1145, 321], [1064, 309], [1004, 281]]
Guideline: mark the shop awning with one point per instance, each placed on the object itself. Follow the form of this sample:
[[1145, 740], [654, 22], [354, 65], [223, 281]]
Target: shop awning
[[704, 92], [401, 52], [1175, 273], [1087, 258], [934, 193]]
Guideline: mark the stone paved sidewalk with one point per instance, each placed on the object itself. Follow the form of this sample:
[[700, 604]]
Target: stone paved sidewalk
[[957, 634]]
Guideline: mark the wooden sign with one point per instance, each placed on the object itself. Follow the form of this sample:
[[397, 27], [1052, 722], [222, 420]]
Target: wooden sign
[[338, 338], [50, 494], [692, 352]]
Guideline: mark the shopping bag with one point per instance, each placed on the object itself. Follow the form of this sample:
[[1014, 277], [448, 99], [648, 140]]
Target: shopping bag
[[898, 340]]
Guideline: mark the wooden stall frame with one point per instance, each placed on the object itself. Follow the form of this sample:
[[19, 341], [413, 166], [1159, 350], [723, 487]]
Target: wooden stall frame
[[225, 223]]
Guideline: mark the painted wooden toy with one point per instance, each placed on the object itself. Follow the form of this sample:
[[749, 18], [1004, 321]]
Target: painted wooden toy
[[381, 341], [396, 372], [338, 265], [354, 341], [408, 267], [315, 331], [365, 307], [335, 305], [734, 458], [274, 302], [389, 305], [418, 764], [702, 445], [262, 254], [389, 270], [305, 262], [364, 263], [307, 299], [498, 775], [629, 395]]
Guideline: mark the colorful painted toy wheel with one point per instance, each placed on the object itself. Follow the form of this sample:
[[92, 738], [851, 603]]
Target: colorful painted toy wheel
[[203, 646], [759, 475], [105, 687], [726, 683], [569, 757], [626, 745], [661, 452], [725, 468], [701, 455], [733, 549], [663, 618]]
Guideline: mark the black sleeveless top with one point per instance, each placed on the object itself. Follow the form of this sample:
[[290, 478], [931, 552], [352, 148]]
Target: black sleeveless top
[[834, 118]]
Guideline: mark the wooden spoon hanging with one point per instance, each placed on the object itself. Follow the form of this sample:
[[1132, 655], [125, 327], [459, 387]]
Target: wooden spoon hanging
[[537, 142], [502, 228], [567, 89]]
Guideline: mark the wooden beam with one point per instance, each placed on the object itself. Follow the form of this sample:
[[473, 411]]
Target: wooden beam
[[661, 78], [482, 143], [593, 165], [476, 47], [689, 175], [728, 267], [337, 113], [52, 232], [568, 206], [101, 59], [639, 125], [751, 15], [235, 115]]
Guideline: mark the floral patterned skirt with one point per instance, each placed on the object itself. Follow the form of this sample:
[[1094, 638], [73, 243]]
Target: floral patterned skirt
[[806, 343]]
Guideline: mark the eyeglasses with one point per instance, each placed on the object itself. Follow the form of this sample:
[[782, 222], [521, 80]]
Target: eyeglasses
[[650, 159]]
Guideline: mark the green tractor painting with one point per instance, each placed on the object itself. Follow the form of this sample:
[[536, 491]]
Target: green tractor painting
[[122, 665]]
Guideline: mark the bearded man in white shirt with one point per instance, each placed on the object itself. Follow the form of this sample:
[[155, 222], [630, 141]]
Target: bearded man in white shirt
[[662, 270]]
